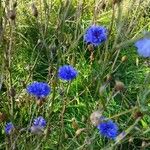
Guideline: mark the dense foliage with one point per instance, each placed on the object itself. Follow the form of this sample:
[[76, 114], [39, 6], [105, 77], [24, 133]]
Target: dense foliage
[[74, 75]]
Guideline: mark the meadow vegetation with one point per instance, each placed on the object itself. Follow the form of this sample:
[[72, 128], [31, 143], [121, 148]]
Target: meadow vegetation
[[110, 81]]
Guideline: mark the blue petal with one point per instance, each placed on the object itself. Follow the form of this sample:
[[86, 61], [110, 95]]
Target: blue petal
[[67, 72], [95, 35], [108, 129], [40, 122], [39, 89], [143, 47], [9, 127]]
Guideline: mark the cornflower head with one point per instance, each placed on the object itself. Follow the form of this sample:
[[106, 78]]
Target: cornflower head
[[95, 35], [38, 125], [67, 73], [143, 47], [108, 129], [39, 121], [39, 89], [9, 128]]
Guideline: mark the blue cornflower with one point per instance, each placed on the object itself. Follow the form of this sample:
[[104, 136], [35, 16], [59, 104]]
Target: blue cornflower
[[39, 89], [95, 35], [108, 129], [67, 72], [38, 126], [9, 127], [143, 47], [39, 122]]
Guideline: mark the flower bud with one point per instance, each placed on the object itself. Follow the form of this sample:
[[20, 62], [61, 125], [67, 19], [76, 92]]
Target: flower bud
[[3, 117], [12, 14], [74, 124], [119, 86], [90, 47], [34, 10], [138, 114], [39, 102], [124, 58], [95, 117], [108, 78]]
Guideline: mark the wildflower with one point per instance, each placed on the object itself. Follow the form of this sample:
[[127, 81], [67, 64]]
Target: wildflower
[[67, 72], [40, 121], [108, 129], [9, 128], [38, 125], [143, 47], [39, 89], [95, 35]]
